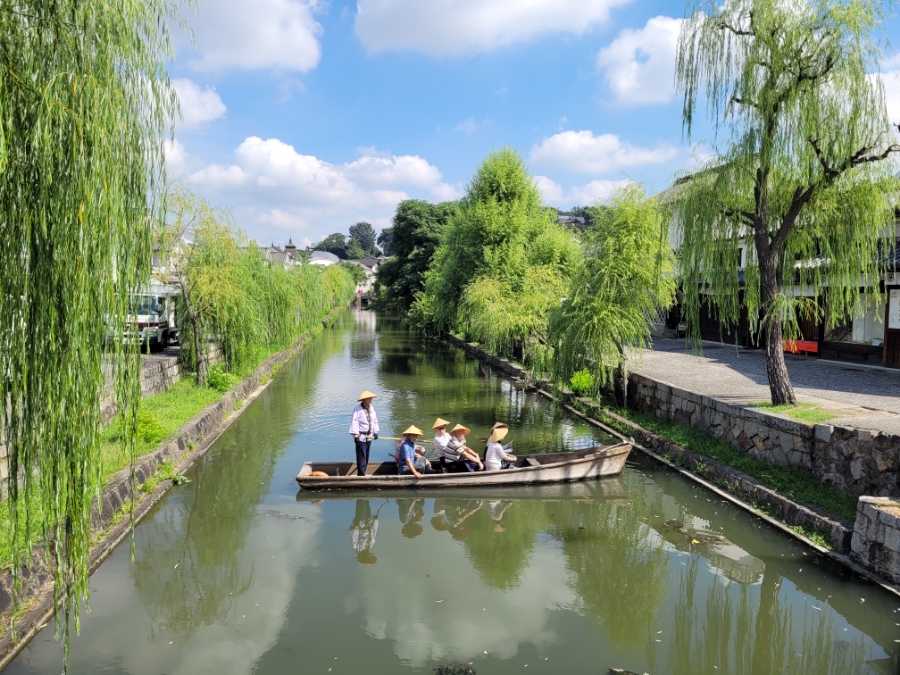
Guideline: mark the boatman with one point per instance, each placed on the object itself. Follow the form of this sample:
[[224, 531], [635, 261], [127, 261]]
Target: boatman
[[364, 429]]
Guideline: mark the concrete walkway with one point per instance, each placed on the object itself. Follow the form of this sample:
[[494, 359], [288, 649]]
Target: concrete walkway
[[862, 397]]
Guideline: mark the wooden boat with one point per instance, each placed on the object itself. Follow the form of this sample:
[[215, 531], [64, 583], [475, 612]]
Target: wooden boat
[[553, 467]]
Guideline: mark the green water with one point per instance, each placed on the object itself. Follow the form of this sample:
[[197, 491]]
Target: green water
[[237, 572]]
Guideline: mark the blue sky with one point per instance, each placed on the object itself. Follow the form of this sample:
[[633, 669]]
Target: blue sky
[[306, 116]]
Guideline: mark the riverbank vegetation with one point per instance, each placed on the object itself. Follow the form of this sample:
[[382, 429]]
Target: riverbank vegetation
[[86, 108], [231, 294]]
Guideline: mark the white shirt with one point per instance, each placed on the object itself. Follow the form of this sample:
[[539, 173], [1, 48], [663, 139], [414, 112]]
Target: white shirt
[[359, 423], [495, 454], [440, 443]]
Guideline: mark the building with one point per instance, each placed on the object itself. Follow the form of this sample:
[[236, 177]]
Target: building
[[872, 337], [323, 258]]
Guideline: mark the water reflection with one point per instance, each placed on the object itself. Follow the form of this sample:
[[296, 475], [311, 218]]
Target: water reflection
[[238, 572], [363, 531]]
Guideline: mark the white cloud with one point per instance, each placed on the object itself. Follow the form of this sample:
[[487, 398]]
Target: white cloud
[[277, 188], [466, 126], [594, 192], [639, 65], [445, 27], [444, 192], [178, 161], [551, 192], [404, 170], [891, 79], [246, 35], [198, 106], [582, 151]]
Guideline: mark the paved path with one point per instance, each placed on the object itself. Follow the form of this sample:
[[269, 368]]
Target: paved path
[[860, 396]]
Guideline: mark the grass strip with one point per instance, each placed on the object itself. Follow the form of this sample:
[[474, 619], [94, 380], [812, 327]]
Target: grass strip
[[805, 412], [795, 482]]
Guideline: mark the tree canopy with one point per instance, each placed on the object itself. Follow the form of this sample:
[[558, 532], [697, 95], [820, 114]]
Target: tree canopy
[[334, 243], [86, 106], [414, 237], [385, 240], [804, 179], [364, 235], [502, 263], [627, 275]]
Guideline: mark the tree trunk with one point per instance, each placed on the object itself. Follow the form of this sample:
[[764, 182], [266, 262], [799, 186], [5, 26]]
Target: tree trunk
[[199, 356], [780, 387], [620, 381]]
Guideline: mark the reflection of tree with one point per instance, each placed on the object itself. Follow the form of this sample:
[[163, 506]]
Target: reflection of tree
[[203, 528], [501, 555], [738, 631], [432, 379], [619, 567]]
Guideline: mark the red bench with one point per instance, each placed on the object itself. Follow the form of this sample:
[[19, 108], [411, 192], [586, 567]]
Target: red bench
[[805, 346]]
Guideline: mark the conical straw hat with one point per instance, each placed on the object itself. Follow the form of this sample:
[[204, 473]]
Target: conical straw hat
[[459, 427], [499, 425], [413, 430], [439, 422], [499, 434], [366, 394]]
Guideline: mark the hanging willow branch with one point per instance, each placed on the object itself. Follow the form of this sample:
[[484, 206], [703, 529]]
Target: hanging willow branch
[[85, 104], [806, 181], [626, 278]]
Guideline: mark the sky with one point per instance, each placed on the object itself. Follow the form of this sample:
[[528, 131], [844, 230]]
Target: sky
[[306, 116]]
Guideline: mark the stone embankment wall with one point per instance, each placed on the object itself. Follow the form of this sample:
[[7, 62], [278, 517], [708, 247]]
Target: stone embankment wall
[[838, 532], [876, 536], [158, 373], [856, 460]]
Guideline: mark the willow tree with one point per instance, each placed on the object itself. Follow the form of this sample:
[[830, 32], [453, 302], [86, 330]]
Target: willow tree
[[626, 278], [805, 177], [203, 260], [503, 262], [85, 104]]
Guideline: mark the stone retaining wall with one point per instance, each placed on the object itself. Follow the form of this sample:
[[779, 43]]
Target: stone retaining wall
[[876, 536], [856, 460], [838, 532], [158, 373]]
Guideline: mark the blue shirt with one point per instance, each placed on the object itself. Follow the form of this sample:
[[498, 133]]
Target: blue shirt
[[407, 451]]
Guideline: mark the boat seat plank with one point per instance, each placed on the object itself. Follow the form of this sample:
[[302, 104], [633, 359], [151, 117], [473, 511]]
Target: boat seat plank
[[531, 461], [352, 470]]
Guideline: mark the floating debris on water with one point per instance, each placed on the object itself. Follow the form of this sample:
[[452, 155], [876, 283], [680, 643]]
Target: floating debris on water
[[284, 516], [455, 668]]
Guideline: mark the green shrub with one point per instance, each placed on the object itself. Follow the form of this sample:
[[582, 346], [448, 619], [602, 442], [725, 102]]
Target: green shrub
[[220, 379], [149, 428], [582, 382]]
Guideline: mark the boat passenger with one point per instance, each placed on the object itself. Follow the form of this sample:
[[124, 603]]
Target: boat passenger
[[406, 460], [364, 429], [421, 462], [459, 457], [496, 457], [441, 437]]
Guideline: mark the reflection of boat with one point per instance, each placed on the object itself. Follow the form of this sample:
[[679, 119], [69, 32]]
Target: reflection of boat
[[554, 467], [611, 490]]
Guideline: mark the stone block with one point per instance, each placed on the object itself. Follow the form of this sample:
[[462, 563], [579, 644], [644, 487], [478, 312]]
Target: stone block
[[892, 540], [856, 543], [779, 458], [865, 436], [823, 432]]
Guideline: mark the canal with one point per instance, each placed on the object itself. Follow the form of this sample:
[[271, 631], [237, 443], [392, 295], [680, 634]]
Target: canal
[[237, 572]]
